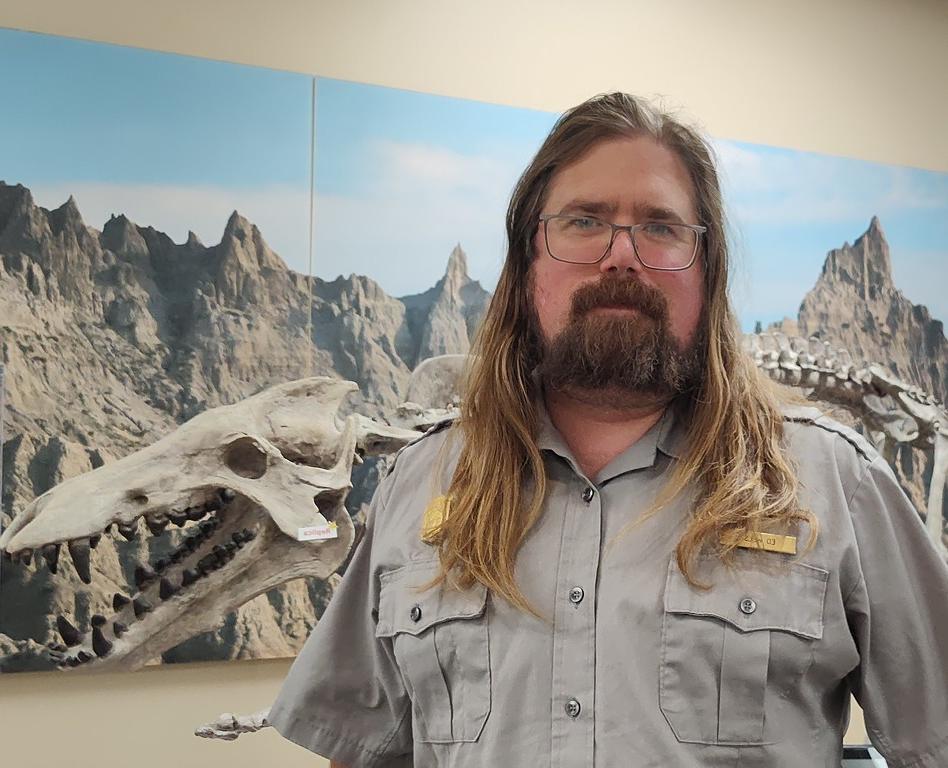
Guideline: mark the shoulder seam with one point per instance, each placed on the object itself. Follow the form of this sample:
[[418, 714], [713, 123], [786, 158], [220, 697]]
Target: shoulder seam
[[432, 430], [818, 422]]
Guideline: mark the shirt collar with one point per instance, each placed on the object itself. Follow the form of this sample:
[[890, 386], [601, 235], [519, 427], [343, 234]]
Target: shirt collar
[[668, 435]]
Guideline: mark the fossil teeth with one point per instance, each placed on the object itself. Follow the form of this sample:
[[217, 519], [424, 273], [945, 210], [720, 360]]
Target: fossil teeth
[[166, 589], [144, 576], [141, 607], [160, 565], [100, 645], [207, 526], [70, 635], [129, 531], [156, 525], [188, 577], [79, 552], [97, 620], [178, 518], [119, 628], [196, 513], [57, 647], [84, 656], [72, 661], [226, 495], [51, 556], [119, 601]]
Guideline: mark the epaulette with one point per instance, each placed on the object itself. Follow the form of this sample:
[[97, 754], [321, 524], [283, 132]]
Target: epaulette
[[439, 426], [814, 417]]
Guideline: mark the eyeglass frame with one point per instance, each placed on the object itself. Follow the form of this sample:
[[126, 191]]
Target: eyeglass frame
[[698, 229]]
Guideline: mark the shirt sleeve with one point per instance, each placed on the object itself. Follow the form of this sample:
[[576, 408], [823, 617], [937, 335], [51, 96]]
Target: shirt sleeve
[[898, 614], [344, 697]]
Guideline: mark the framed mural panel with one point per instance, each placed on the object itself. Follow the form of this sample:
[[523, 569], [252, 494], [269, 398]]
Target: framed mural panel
[[155, 235]]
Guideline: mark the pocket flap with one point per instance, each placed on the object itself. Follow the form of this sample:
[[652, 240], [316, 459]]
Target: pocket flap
[[405, 608], [789, 598]]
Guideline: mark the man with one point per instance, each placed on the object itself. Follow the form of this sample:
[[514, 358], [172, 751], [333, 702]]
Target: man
[[627, 552]]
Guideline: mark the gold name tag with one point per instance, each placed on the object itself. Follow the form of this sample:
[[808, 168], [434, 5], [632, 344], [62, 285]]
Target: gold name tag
[[769, 542], [435, 516]]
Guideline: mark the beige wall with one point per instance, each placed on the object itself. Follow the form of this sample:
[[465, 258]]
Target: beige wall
[[862, 78]]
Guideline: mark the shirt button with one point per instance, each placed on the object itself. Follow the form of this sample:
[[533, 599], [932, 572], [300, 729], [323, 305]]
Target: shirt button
[[588, 494], [415, 613], [576, 595], [748, 606], [573, 708]]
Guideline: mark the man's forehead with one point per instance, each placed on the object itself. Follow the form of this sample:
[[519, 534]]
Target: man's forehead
[[625, 175]]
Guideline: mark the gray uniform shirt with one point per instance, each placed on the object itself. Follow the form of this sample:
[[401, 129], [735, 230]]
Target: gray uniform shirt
[[632, 666]]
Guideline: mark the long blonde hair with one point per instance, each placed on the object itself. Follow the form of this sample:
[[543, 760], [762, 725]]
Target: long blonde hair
[[733, 456]]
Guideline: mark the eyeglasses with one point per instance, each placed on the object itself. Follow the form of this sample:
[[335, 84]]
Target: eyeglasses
[[587, 240]]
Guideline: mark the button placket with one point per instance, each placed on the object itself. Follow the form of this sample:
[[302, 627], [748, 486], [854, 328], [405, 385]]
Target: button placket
[[574, 641]]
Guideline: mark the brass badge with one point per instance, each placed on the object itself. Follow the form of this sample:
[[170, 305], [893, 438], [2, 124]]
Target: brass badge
[[435, 515], [769, 542]]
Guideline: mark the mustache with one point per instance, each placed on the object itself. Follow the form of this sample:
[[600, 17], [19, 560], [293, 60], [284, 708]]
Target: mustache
[[619, 292]]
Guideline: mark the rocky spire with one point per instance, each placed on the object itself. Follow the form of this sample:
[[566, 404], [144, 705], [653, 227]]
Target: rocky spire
[[856, 300], [865, 264], [455, 276], [121, 236], [67, 218], [246, 267]]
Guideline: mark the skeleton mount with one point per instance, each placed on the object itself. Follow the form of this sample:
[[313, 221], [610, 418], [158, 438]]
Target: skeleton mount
[[893, 412]]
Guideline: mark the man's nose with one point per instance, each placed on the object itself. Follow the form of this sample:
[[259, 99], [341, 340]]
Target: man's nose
[[621, 257]]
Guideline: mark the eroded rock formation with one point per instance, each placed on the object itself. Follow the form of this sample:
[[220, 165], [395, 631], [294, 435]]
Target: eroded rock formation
[[111, 339]]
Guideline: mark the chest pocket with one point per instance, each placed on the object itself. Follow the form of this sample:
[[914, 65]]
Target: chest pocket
[[441, 644], [724, 651]]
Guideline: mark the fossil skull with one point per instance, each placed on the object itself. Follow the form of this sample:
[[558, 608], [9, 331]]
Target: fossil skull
[[260, 486]]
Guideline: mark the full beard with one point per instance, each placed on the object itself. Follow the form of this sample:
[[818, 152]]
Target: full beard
[[620, 360]]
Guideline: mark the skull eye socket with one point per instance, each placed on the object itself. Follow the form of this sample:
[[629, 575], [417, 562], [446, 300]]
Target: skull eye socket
[[245, 458]]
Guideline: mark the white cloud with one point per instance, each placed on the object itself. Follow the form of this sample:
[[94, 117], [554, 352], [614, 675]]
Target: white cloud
[[422, 200], [280, 211], [768, 186]]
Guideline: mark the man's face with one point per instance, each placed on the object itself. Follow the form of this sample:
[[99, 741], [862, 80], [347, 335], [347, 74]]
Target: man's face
[[590, 314]]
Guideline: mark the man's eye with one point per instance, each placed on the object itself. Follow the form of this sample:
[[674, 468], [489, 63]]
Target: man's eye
[[584, 223], [660, 231]]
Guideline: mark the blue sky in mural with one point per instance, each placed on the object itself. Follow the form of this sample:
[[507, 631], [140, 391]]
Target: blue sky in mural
[[178, 143], [174, 142], [789, 208], [401, 177]]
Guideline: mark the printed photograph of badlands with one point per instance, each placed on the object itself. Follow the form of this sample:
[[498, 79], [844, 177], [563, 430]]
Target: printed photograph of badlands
[[179, 235]]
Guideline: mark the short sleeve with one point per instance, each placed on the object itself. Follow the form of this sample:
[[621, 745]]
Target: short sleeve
[[898, 614], [344, 698]]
